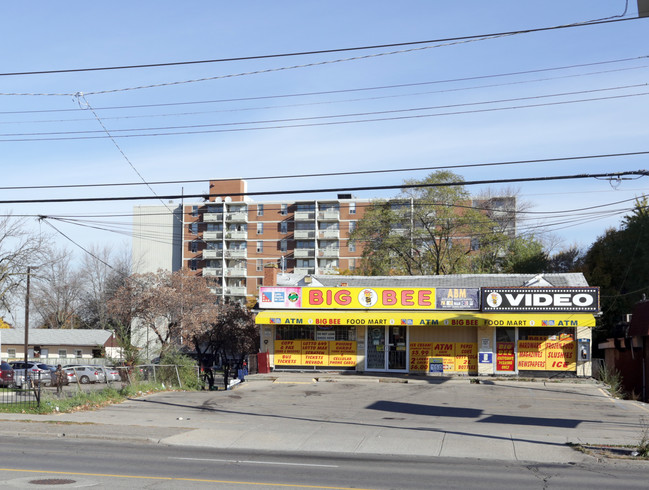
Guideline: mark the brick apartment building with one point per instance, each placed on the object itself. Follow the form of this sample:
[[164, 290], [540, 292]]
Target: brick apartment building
[[231, 238]]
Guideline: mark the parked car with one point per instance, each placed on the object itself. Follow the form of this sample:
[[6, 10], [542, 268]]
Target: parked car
[[110, 374], [33, 371], [6, 374], [72, 375], [85, 374]]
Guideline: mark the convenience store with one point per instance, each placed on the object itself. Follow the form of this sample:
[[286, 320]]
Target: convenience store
[[467, 324]]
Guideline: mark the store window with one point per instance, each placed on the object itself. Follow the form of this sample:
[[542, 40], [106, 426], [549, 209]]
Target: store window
[[303, 332], [63, 353]]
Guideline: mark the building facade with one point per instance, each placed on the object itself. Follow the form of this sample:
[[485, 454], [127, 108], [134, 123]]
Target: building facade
[[486, 324], [231, 239]]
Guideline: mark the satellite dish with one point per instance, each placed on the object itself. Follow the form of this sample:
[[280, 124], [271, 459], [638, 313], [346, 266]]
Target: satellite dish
[[218, 199], [228, 199]]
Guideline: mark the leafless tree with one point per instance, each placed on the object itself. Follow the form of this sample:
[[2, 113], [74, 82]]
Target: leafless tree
[[57, 293], [19, 248]]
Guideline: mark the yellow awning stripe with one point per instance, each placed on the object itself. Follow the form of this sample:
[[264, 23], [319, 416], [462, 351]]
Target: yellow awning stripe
[[419, 318]]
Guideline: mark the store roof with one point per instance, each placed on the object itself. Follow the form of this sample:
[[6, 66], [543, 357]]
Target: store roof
[[448, 281], [38, 336]]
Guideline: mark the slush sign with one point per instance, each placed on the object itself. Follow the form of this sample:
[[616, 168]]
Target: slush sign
[[541, 299]]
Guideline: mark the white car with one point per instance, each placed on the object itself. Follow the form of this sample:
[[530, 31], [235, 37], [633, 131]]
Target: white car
[[37, 372], [85, 374]]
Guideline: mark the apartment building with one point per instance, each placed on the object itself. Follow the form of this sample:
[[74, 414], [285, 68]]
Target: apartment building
[[231, 238]]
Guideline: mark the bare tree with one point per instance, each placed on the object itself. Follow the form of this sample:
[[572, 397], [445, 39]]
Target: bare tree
[[172, 306], [103, 273], [19, 248], [57, 292]]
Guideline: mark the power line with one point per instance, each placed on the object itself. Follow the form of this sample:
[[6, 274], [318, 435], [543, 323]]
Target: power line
[[613, 175], [314, 52]]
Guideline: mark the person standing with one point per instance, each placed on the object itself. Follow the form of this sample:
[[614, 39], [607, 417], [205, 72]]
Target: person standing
[[59, 377]]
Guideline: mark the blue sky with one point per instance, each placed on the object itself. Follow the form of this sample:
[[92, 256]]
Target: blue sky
[[41, 36]]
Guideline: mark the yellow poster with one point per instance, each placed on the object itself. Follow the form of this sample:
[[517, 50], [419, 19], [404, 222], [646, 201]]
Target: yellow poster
[[419, 354], [315, 352], [466, 357], [561, 355], [531, 355], [342, 353], [445, 350], [288, 352]]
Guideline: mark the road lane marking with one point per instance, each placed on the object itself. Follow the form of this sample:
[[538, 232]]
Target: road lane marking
[[171, 478], [257, 462]]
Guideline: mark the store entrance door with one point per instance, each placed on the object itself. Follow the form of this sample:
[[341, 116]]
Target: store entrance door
[[397, 344], [387, 348]]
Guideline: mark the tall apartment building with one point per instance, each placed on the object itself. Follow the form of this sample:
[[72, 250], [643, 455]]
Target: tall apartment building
[[232, 238], [157, 238]]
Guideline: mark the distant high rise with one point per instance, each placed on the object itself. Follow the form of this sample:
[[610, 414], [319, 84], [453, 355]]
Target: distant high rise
[[157, 238]]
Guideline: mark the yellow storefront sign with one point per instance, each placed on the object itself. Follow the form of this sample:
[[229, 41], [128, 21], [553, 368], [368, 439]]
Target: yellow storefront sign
[[420, 318], [361, 298]]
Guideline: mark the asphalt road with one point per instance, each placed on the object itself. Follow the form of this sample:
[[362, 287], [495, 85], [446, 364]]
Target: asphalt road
[[34, 463]]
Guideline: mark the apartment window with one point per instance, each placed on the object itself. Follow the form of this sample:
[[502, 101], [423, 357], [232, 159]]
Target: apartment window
[[284, 209], [193, 228], [260, 228], [351, 246], [352, 226], [63, 353], [11, 352], [260, 264], [214, 246], [260, 209], [78, 353], [305, 244], [260, 247], [283, 245], [304, 263], [193, 264], [283, 227], [214, 226], [193, 247], [194, 210], [352, 208]]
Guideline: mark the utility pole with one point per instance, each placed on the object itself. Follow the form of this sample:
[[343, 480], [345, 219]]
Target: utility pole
[[29, 268], [643, 8]]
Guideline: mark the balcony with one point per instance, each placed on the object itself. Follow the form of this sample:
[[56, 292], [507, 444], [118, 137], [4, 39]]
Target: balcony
[[236, 235], [302, 234], [326, 253], [213, 254], [329, 215], [236, 254], [236, 272], [304, 215], [213, 217], [216, 290], [238, 217], [304, 253], [211, 236], [236, 291], [212, 271], [329, 233]]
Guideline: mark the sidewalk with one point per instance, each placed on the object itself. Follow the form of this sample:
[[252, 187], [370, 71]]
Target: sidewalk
[[366, 414]]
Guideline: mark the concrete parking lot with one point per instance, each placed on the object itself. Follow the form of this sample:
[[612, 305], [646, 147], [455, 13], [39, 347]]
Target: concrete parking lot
[[495, 419]]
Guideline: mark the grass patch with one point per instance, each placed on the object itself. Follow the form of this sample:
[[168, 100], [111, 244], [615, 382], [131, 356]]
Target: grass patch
[[82, 400]]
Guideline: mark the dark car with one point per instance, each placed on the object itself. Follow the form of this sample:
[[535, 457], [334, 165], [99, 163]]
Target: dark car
[[6, 374]]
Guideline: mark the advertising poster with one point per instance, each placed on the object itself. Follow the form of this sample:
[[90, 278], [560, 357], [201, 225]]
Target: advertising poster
[[445, 350], [288, 352], [505, 356], [531, 355], [466, 357], [561, 355], [279, 297], [315, 352], [342, 353], [419, 354]]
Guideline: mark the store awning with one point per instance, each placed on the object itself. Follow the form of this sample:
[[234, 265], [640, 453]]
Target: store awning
[[423, 318]]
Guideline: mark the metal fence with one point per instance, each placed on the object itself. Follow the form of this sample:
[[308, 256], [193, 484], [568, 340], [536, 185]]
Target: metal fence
[[28, 395]]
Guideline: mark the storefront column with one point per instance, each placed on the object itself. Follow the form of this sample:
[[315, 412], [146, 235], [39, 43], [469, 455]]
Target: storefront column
[[486, 344], [360, 348]]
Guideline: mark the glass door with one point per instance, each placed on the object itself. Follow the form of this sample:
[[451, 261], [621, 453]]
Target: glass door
[[375, 358], [397, 348]]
